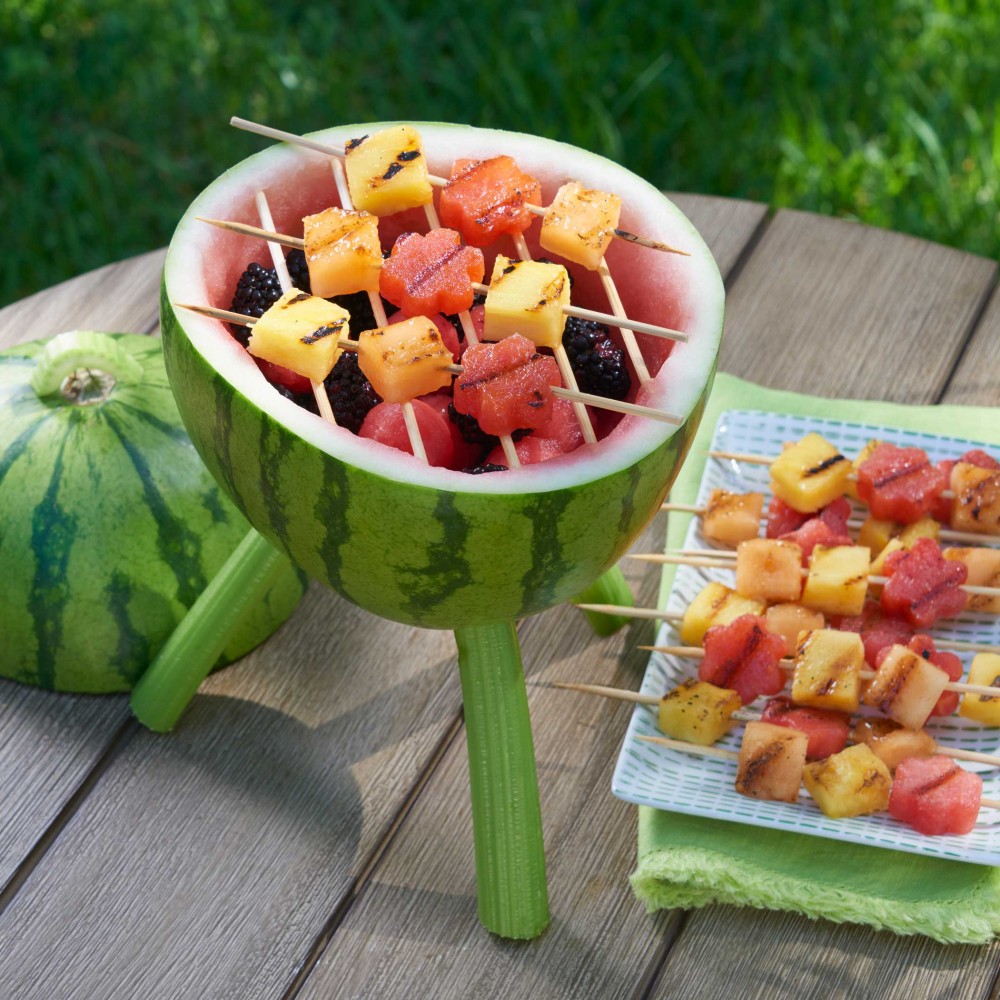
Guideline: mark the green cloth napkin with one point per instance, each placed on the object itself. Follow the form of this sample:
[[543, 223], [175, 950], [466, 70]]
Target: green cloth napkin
[[689, 861]]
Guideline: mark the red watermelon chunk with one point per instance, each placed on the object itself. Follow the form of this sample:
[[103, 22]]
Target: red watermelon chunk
[[743, 656], [922, 585], [935, 796], [827, 730], [465, 454], [278, 375], [876, 630], [899, 484], [827, 527], [507, 386], [384, 423], [486, 198], [432, 273], [530, 450], [781, 518]]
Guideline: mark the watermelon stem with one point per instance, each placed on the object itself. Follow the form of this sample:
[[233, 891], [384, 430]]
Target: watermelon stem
[[506, 814], [164, 691], [82, 367], [611, 588]]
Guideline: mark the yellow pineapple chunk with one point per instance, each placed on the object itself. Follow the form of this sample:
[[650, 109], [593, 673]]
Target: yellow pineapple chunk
[[853, 782], [905, 687], [715, 604], [405, 360], [891, 742], [875, 534], [984, 571], [851, 489], [343, 252], [769, 570], [698, 712], [526, 297], [732, 518], [976, 506], [580, 223], [789, 619], [771, 761], [926, 527], [827, 672], [387, 171], [300, 332], [837, 580], [809, 474], [985, 670]]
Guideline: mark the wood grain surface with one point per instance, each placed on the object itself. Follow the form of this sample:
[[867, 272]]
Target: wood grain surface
[[306, 831]]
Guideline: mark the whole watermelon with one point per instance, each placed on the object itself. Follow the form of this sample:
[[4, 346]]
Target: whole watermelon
[[110, 525]]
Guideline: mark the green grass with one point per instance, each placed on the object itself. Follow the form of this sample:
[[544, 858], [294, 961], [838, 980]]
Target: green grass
[[116, 113]]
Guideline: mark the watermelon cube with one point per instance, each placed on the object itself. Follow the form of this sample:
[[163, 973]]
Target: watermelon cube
[[899, 484], [827, 731], [984, 670], [891, 742], [935, 796], [744, 657], [385, 423], [387, 172], [343, 252], [698, 712], [527, 297], [405, 360], [580, 223], [853, 782], [731, 518], [809, 474], [781, 519], [771, 762], [922, 585]]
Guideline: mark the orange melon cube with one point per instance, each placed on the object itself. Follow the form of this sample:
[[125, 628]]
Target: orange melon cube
[[905, 687], [580, 223], [771, 762], [769, 570], [984, 571], [405, 360], [343, 252], [790, 618], [976, 506], [891, 742], [732, 518]]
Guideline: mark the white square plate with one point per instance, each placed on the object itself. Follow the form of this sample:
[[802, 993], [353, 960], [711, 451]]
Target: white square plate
[[652, 775]]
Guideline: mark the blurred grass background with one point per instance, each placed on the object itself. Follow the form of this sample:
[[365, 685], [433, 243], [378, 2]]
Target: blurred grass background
[[115, 113]]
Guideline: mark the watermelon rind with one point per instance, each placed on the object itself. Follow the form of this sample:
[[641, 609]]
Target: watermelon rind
[[417, 544], [110, 528]]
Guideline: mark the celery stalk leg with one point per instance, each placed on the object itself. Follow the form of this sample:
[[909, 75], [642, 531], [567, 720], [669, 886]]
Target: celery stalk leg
[[610, 588]]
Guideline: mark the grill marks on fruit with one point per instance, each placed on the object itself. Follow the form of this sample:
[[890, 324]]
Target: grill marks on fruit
[[827, 463], [548, 565], [321, 333], [177, 545], [941, 779]]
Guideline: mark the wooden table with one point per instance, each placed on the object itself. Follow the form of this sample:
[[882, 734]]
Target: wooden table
[[306, 833]]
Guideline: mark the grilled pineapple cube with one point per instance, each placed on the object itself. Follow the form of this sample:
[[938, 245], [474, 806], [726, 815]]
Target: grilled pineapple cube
[[580, 223], [875, 534], [976, 506], [984, 571], [853, 782], [698, 712], [827, 672], [526, 297], [405, 360], [387, 171], [732, 518], [837, 580], [891, 742], [789, 619], [985, 670], [343, 252], [905, 687], [300, 332], [769, 570], [926, 527], [771, 762], [809, 474], [716, 604]]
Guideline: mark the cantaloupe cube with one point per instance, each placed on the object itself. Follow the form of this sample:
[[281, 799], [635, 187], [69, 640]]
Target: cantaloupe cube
[[837, 580], [387, 171], [698, 712], [732, 518], [891, 742], [405, 360], [769, 570], [985, 670], [827, 671], [343, 252], [984, 571], [771, 762], [580, 223], [853, 782], [526, 297], [809, 474], [789, 619], [715, 604], [976, 506], [300, 332], [905, 687]]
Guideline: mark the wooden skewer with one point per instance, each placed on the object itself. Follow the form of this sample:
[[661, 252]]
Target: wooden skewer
[[618, 406], [726, 559], [946, 534], [340, 152], [628, 337], [285, 281], [638, 698]]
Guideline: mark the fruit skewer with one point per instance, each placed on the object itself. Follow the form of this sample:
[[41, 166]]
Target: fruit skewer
[[339, 152], [638, 698], [589, 399]]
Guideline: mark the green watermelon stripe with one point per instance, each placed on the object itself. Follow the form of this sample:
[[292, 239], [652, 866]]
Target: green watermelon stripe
[[18, 446], [548, 565], [132, 642], [274, 448], [177, 545], [331, 504], [141, 414]]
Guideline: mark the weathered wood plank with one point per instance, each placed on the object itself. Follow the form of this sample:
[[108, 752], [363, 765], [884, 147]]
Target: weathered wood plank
[[834, 308], [975, 380], [728, 225]]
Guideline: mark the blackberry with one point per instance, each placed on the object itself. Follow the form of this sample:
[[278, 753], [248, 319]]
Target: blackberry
[[351, 394], [477, 470], [304, 399], [469, 428], [359, 306], [599, 365], [256, 291], [298, 270]]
